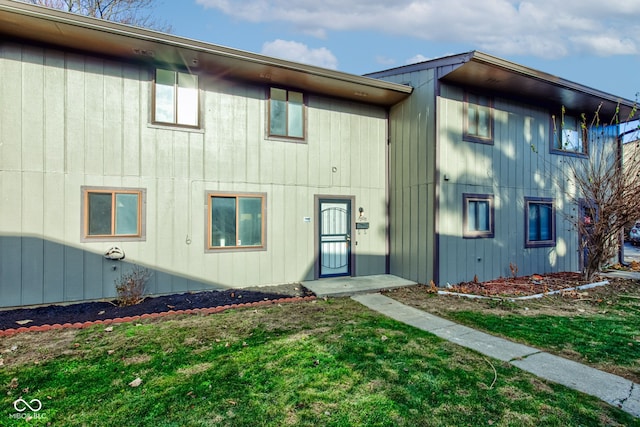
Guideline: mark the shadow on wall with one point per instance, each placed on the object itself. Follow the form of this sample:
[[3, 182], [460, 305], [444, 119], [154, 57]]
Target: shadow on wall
[[37, 271]]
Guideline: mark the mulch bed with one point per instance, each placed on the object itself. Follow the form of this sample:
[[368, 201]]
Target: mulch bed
[[520, 286], [80, 313]]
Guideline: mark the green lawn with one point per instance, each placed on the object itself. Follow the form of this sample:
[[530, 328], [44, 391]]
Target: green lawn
[[601, 330], [332, 363]]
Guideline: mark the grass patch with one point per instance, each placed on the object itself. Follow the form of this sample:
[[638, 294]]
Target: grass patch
[[598, 339], [331, 363], [600, 327]]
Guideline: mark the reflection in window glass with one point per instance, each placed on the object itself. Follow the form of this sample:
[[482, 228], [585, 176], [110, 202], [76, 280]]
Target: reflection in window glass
[[165, 96], [111, 213], [540, 222], [223, 221], [478, 215], [176, 98], [126, 214], [250, 221], [236, 221], [187, 99], [478, 120], [99, 214], [572, 138], [286, 113]]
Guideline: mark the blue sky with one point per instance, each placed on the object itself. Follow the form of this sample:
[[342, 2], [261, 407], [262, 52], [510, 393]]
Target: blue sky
[[590, 42]]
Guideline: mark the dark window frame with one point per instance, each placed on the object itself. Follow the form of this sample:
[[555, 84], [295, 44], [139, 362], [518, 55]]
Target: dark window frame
[[175, 123], [466, 136], [557, 136], [85, 234], [209, 247], [286, 137], [528, 202], [478, 234]]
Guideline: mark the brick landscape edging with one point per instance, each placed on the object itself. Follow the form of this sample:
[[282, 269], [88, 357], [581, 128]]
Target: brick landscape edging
[[210, 310]]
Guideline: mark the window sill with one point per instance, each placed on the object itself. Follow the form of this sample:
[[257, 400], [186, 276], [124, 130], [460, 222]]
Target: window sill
[[542, 244], [180, 128], [568, 153]]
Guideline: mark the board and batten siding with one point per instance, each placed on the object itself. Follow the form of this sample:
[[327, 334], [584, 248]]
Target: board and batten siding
[[431, 167], [412, 151], [518, 164], [70, 120]]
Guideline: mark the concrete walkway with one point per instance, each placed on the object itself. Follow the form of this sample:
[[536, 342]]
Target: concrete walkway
[[347, 286], [613, 389]]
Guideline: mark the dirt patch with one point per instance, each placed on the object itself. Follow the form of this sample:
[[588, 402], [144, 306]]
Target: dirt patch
[[600, 299], [102, 310]]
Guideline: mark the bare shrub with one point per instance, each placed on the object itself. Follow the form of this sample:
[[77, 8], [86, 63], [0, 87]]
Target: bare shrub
[[130, 288]]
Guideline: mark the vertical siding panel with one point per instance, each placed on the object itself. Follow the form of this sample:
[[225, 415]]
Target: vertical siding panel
[[278, 237], [254, 140], [93, 276], [181, 155], [75, 115], [165, 248], [344, 148], [73, 273], [53, 264], [54, 112], [196, 156], [33, 109], [10, 118], [239, 135], [164, 154], [132, 120], [94, 125], [11, 207], [10, 270], [113, 118]]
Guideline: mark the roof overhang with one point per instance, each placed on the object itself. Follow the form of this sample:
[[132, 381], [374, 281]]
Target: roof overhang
[[495, 75], [51, 27]]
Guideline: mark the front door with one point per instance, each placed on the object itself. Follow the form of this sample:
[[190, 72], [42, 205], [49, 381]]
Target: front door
[[335, 237]]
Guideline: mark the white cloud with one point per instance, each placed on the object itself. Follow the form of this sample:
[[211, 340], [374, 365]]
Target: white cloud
[[416, 58], [545, 28], [299, 52]]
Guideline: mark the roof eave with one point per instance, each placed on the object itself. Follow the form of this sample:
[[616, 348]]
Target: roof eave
[[488, 73], [41, 25]]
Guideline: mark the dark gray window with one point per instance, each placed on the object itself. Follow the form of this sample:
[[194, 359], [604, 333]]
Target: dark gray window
[[478, 118], [540, 222], [478, 216]]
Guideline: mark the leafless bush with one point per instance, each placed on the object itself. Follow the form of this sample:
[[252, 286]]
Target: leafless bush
[[130, 288]]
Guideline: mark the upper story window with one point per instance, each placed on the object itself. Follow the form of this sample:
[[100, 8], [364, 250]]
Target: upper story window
[[236, 221], [478, 118], [478, 216], [176, 98], [540, 222], [286, 114], [570, 135], [113, 214]]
